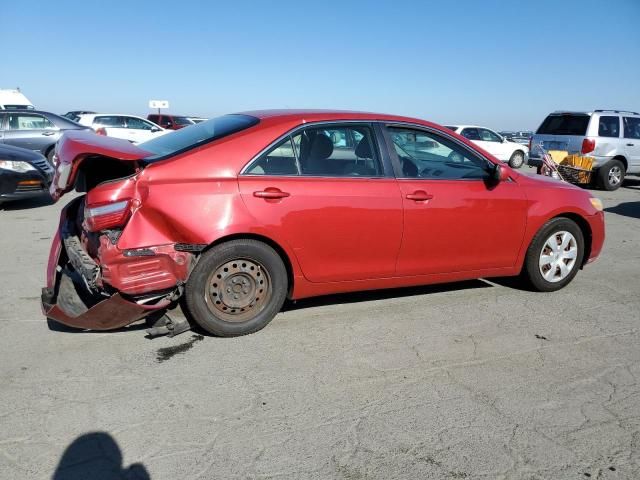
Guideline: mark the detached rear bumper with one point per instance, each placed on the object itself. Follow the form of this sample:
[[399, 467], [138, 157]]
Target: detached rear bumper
[[78, 292], [110, 313]]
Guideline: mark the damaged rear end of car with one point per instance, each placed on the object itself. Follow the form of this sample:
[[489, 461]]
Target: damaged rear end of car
[[92, 283]]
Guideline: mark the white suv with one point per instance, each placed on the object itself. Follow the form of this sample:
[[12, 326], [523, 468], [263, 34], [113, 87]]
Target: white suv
[[128, 127], [514, 153], [610, 137]]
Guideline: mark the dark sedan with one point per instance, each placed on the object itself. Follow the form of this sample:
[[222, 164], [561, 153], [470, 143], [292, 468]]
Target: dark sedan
[[23, 173], [34, 129]]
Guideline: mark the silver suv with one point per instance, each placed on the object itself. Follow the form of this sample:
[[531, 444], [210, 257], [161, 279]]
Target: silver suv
[[610, 137]]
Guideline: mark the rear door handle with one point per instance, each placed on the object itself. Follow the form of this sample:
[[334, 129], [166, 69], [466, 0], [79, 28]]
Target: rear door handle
[[419, 196], [629, 144], [270, 193], [48, 134]]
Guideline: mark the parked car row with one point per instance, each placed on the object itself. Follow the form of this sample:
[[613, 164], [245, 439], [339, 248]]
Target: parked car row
[[521, 136]]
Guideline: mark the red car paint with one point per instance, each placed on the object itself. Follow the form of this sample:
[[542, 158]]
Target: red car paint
[[335, 234]]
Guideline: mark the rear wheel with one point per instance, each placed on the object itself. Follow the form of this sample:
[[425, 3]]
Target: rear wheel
[[611, 175], [236, 288], [517, 159], [554, 256]]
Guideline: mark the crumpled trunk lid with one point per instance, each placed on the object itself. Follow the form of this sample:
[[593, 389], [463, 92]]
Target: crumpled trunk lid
[[102, 158]]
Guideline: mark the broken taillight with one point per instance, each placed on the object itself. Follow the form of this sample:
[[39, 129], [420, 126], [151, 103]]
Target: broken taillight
[[107, 215], [588, 145]]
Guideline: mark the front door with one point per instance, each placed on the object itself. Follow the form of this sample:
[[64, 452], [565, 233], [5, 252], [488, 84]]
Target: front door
[[323, 190], [456, 219]]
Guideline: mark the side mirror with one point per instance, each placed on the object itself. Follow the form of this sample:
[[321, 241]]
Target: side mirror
[[500, 173], [155, 129]]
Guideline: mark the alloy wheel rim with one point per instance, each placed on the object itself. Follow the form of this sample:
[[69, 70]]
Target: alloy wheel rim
[[518, 160], [558, 256], [615, 175], [238, 290]]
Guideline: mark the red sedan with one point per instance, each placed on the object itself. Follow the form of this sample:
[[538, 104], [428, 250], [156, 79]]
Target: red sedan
[[236, 214]]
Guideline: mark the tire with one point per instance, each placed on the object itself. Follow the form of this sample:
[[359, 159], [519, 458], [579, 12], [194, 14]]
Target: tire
[[236, 288], [611, 175], [517, 159], [546, 274], [50, 155]]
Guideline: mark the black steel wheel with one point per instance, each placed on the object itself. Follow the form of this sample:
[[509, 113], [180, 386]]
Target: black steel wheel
[[236, 288]]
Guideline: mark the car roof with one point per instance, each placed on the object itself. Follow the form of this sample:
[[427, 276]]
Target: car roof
[[305, 116]]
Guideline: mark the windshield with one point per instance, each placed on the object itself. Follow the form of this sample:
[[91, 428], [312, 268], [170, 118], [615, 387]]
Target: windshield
[[196, 135], [568, 124]]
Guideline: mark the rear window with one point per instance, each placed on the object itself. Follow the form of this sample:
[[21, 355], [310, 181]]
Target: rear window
[[569, 124], [204, 132]]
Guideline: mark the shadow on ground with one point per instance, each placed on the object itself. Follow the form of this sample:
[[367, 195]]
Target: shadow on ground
[[96, 455], [27, 203], [370, 295], [631, 183], [626, 209]]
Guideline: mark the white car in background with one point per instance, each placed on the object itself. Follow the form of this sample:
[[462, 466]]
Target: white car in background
[[515, 154], [128, 127]]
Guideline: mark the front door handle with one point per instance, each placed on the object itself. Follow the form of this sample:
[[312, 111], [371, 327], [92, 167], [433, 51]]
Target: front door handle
[[271, 193], [629, 144], [48, 134], [419, 196]]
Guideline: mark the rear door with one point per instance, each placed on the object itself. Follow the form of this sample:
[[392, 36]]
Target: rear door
[[330, 199], [455, 218], [631, 133], [29, 130]]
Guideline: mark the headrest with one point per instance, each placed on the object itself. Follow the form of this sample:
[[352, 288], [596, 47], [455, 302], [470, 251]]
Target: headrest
[[363, 150], [321, 147]]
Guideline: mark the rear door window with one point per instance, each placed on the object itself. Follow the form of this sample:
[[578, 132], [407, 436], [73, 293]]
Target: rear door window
[[631, 127], [565, 124], [609, 127], [324, 151], [471, 133], [29, 121], [109, 121]]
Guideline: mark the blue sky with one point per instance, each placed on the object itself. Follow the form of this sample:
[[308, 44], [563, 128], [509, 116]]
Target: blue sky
[[504, 64]]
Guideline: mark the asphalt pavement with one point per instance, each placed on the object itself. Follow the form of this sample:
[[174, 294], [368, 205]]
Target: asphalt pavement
[[470, 380]]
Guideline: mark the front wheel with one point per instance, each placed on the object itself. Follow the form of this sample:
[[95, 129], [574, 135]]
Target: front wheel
[[554, 256], [611, 175], [517, 159], [236, 288]]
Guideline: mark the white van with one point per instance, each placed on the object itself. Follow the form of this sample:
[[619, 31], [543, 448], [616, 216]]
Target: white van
[[13, 99]]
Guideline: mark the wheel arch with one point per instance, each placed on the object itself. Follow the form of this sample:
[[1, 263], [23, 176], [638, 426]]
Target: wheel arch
[[585, 228], [264, 239], [623, 159]]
